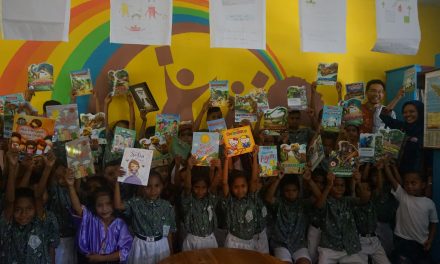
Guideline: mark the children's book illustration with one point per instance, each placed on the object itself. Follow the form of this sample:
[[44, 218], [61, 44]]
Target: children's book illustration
[[293, 158], [352, 112], [179, 148], [205, 147], [259, 95], [124, 138], [392, 142], [409, 80], [331, 118], [10, 104], [218, 126], [297, 97], [219, 93], [355, 90], [40, 77], [143, 97], [66, 121], [344, 160], [137, 164], [245, 108], [327, 74], [81, 82], [276, 119], [367, 146], [238, 141], [93, 126], [79, 157], [315, 153], [268, 161], [167, 125], [118, 82]]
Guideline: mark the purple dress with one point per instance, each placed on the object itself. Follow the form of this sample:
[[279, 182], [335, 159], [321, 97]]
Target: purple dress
[[133, 179], [93, 238]]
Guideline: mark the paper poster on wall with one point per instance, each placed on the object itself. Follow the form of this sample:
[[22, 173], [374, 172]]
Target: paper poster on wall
[[141, 22], [397, 27], [431, 137], [42, 20], [323, 25], [238, 24]]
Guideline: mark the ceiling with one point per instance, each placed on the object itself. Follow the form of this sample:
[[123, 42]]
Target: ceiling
[[430, 2]]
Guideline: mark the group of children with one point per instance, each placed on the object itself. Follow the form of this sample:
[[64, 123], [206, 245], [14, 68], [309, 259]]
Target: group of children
[[379, 215]]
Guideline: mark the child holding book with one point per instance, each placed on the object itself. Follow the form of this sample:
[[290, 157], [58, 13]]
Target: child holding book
[[199, 202], [153, 221]]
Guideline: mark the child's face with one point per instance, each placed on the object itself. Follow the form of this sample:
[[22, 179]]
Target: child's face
[[154, 188], [413, 184], [163, 171], [59, 175], [352, 133], [104, 207], [294, 120], [239, 187], [290, 192], [410, 113], [214, 116], [200, 189], [186, 136], [319, 181], [338, 188], [367, 189], [24, 211]]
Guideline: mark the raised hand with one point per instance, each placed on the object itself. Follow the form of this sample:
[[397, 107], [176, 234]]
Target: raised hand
[[191, 162], [69, 178]]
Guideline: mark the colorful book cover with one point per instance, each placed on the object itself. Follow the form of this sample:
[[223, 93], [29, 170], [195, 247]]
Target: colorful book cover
[[93, 126], [352, 112], [81, 82], [238, 141], [124, 138], [167, 125], [179, 148], [409, 80], [205, 147], [315, 153], [268, 161], [331, 118], [293, 158], [276, 119], [218, 126], [367, 143], [79, 157], [143, 97], [392, 142], [260, 97], [66, 121], [344, 160], [327, 74], [355, 90], [378, 143], [137, 164], [219, 93], [118, 82], [9, 107], [297, 97], [245, 108], [40, 77]]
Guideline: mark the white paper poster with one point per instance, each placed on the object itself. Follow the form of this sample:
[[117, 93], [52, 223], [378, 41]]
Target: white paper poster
[[323, 25], [145, 22], [238, 24], [42, 20], [397, 26]]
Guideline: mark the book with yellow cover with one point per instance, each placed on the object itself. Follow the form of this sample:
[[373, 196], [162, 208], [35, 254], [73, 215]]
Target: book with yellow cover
[[238, 141]]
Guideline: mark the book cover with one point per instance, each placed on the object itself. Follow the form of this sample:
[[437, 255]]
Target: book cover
[[93, 126], [167, 125], [276, 119], [245, 108], [179, 148], [33, 127], [315, 153], [9, 107], [137, 164], [409, 80], [124, 138], [205, 147], [343, 161], [293, 158], [378, 143], [331, 118], [40, 77], [219, 93], [327, 74], [392, 140], [66, 121], [79, 157], [81, 82], [143, 97], [352, 112], [297, 98], [238, 141], [259, 95], [118, 82], [268, 161], [367, 143], [218, 126], [355, 90]]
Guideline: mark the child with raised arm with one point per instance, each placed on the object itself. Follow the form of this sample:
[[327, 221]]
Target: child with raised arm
[[199, 201], [416, 218], [153, 221], [102, 237]]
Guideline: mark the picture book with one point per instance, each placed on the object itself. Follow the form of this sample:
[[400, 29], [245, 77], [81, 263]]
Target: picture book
[[297, 98], [245, 108], [9, 106], [143, 97], [81, 82], [315, 153], [409, 80], [238, 141], [276, 119], [260, 97], [66, 121], [367, 143], [93, 126], [352, 112], [124, 138], [167, 125], [327, 74], [219, 93], [355, 90], [33, 127], [343, 161], [293, 158], [179, 148], [137, 164], [40, 77], [205, 147], [331, 118], [268, 161], [118, 82], [392, 142], [79, 157], [218, 125], [378, 144]]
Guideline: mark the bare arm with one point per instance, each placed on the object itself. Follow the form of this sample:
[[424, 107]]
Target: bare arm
[[396, 99], [49, 162], [188, 178], [225, 178], [307, 177], [270, 193], [12, 158], [217, 164], [432, 230], [323, 198], [253, 185], [108, 99], [130, 101], [76, 204], [202, 113], [390, 177], [143, 114], [27, 164]]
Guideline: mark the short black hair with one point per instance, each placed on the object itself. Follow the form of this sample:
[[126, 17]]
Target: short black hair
[[101, 191], [49, 103], [235, 174], [375, 81], [213, 109], [150, 131], [289, 179], [200, 173], [24, 192], [418, 173]]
